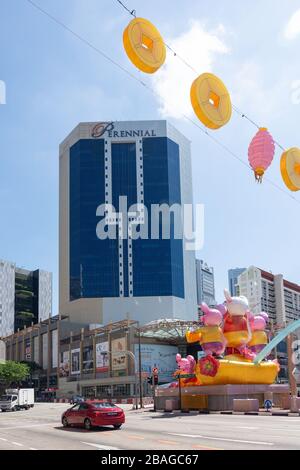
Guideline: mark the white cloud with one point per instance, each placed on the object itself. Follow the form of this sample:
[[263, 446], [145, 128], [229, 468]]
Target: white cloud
[[257, 93], [292, 29], [172, 83], [249, 88]]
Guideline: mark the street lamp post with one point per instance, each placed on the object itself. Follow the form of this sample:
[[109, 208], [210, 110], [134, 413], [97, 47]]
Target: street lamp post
[[291, 366], [135, 375], [140, 369], [180, 393]]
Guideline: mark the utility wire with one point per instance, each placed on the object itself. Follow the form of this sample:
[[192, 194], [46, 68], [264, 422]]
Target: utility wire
[[131, 12], [181, 58], [149, 88], [85, 41], [235, 108]]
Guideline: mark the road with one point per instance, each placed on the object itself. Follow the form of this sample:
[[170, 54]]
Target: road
[[41, 429]]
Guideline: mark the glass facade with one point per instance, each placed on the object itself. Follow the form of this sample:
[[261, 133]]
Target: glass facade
[[124, 183], [155, 266], [93, 264], [26, 299], [205, 280], [233, 275], [158, 264]]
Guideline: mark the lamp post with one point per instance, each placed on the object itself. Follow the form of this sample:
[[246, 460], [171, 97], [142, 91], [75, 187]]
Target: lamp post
[[138, 330], [140, 369], [135, 375], [180, 393], [291, 366]]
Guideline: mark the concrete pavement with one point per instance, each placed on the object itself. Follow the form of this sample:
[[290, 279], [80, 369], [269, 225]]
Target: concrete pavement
[[41, 429]]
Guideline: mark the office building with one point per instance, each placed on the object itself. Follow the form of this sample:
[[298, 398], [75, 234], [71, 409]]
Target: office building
[[25, 297], [205, 283], [270, 293], [113, 265], [233, 275], [279, 298]]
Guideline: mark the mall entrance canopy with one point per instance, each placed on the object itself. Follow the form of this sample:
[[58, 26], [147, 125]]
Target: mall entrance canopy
[[168, 330]]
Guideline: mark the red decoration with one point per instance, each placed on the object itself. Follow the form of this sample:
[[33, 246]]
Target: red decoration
[[209, 366]]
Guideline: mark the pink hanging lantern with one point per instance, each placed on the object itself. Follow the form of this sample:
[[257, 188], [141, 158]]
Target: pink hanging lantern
[[261, 153]]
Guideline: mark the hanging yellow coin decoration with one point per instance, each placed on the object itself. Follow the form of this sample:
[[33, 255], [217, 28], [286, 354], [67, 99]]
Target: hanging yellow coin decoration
[[211, 101], [144, 45], [290, 168]]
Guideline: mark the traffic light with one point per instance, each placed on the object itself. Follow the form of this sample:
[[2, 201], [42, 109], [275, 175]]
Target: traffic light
[[153, 380], [155, 375]]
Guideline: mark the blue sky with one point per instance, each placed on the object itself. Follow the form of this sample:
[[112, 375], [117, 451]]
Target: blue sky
[[54, 81]]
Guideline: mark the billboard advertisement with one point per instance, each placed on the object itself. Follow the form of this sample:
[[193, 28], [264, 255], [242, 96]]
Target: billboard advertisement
[[75, 361], [87, 359], [28, 349], [64, 368], [102, 359], [119, 356], [161, 356]]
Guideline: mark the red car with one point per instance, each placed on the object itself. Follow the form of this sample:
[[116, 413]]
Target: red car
[[94, 414]]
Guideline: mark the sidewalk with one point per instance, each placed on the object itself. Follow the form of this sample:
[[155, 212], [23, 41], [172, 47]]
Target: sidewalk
[[284, 413]]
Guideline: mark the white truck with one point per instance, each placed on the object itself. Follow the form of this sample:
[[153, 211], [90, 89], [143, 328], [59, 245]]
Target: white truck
[[17, 399]]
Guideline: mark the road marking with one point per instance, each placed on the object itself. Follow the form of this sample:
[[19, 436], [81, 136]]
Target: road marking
[[16, 443], [247, 427], [139, 438], [291, 418], [289, 429], [168, 443], [206, 448], [100, 447], [31, 426], [193, 436]]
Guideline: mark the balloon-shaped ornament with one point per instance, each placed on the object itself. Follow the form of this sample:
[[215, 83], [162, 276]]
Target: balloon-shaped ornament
[[261, 153]]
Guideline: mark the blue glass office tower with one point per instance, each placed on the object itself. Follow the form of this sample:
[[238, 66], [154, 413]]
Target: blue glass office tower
[[233, 275], [102, 165]]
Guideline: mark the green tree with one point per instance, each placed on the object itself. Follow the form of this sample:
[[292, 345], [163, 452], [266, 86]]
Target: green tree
[[32, 366], [12, 372]]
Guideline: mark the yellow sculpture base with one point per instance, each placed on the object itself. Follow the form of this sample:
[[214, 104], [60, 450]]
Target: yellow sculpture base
[[236, 370]]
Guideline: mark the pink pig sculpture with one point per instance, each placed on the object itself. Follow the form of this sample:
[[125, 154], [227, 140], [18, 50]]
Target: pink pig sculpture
[[186, 365], [210, 336], [259, 337], [214, 343]]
